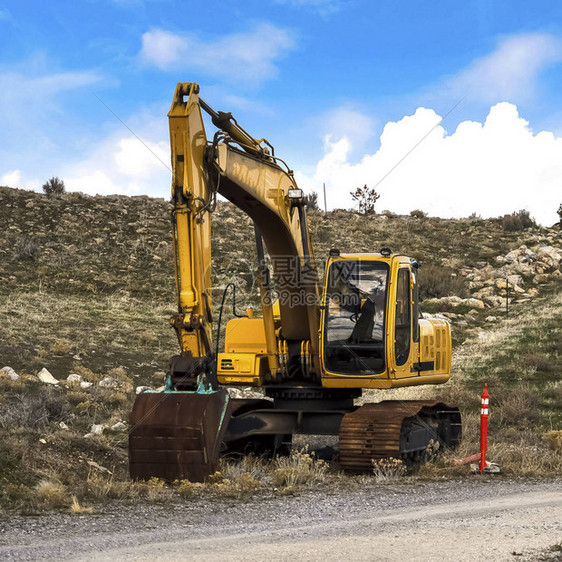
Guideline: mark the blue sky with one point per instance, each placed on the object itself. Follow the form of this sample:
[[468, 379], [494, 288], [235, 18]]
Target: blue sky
[[342, 88]]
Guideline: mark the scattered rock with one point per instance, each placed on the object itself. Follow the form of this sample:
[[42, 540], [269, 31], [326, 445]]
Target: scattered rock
[[484, 292], [501, 284], [549, 252], [73, 378], [97, 466], [234, 392], [86, 384], [140, 389], [96, 429], [541, 278], [10, 372], [452, 301], [529, 257], [533, 292], [474, 303], [158, 377], [245, 393], [119, 426], [512, 256], [490, 318], [515, 279], [63, 426], [495, 301], [45, 377], [109, 382]]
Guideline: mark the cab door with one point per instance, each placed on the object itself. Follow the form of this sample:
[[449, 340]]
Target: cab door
[[402, 348]]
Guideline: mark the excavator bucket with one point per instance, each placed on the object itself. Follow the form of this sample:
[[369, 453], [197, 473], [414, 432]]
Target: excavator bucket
[[177, 435]]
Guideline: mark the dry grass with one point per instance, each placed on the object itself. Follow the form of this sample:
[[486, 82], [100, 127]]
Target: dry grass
[[528, 457], [78, 509], [188, 490], [51, 494], [300, 467], [388, 470], [553, 439]]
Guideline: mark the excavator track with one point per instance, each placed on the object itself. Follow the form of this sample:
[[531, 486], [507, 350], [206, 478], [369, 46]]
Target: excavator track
[[402, 430]]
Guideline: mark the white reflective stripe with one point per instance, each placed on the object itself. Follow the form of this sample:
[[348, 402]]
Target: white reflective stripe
[[484, 411], [485, 400]]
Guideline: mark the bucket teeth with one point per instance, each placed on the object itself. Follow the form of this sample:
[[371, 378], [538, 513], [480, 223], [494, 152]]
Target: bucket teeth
[[177, 435]]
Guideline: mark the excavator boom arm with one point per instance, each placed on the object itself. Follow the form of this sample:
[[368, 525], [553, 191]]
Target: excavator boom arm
[[239, 168]]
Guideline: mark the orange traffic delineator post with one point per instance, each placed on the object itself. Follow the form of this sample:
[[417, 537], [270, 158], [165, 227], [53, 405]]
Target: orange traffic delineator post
[[484, 427], [484, 466]]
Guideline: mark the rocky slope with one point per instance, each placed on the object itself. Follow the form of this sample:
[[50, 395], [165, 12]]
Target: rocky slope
[[86, 290]]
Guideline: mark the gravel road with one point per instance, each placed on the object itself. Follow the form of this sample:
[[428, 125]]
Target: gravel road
[[490, 519]]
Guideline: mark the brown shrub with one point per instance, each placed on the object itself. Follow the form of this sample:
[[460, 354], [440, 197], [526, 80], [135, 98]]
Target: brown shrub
[[34, 410], [519, 220], [418, 214], [436, 282]]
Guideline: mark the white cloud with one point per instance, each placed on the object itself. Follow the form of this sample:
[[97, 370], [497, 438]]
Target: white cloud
[[249, 56], [15, 178], [163, 48], [510, 72], [491, 168], [122, 164], [346, 122], [11, 178]]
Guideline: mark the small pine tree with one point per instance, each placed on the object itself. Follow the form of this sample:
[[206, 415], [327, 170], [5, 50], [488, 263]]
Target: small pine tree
[[311, 200], [560, 214], [54, 186], [366, 197]]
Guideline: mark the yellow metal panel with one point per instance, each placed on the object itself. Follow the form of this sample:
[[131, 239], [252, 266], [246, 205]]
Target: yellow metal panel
[[245, 335], [242, 368]]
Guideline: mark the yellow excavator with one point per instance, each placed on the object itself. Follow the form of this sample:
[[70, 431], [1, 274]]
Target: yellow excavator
[[316, 344]]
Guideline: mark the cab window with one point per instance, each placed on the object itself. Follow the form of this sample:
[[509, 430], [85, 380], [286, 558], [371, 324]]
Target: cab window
[[355, 317]]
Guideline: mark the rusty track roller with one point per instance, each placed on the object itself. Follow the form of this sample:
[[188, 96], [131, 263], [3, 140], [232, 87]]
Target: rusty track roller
[[401, 430]]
